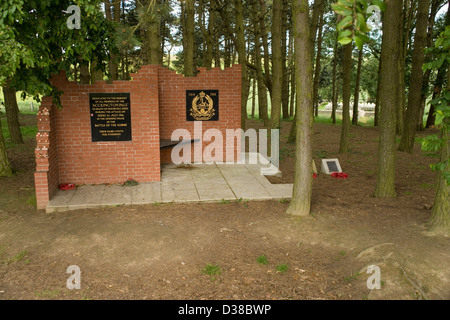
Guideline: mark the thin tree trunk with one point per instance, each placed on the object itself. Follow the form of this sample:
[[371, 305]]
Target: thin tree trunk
[[254, 93], [440, 216], [265, 44], [12, 114], [302, 191], [292, 75], [284, 55], [415, 88], [85, 77], [426, 76], [262, 89], [390, 52], [277, 67], [242, 59], [346, 87], [188, 34], [376, 121], [317, 67], [356, 95], [334, 82], [436, 92]]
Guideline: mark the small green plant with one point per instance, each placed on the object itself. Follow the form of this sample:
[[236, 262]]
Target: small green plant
[[262, 260], [47, 293], [283, 200], [17, 257], [212, 270], [352, 277], [282, 268], [223, 201], [130, 182], [322, 154]]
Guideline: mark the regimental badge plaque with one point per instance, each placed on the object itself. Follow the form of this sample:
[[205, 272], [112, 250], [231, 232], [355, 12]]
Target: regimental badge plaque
[[202, 105], [110, 116]]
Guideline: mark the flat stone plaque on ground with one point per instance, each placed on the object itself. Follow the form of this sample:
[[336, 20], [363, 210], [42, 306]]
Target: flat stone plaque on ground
[[110, 116]]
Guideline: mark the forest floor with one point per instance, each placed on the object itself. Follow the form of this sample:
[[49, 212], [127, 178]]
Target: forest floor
[[171, 251]]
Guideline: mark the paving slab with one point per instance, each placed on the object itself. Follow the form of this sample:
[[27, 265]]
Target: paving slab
[[179, 184]]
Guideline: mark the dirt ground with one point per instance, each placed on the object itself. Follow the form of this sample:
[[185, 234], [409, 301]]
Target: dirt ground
[[162, 251]]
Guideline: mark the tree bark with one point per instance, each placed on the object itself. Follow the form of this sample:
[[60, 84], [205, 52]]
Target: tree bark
[[390, 52], [12, 114], [284, 55], [440, 216], [188, 35], [427, 74], [317, 67], [242, 59], [376, 121], [346, 87], [356, 95], [436, 92], [277, 66], [334, 84], [415, 88], [302, 191]]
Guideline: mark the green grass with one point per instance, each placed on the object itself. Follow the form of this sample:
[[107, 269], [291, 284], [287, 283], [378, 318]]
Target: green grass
[[212, 270], [262, 260], [352, 277], [282, 268], [20, 256], [27, 132]]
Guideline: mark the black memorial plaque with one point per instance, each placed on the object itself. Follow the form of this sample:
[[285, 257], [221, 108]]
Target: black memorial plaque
[[202, 105], [110, 116], [332, 166]]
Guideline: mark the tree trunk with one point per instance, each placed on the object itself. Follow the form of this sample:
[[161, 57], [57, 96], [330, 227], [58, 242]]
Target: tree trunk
[[302, 191], [376, 121], [390, 52], [415, 88], [317, 67], [12, 114], [265, 44], [277, 64], [334, 84], [292, 75], [85, 77], [284, 55], [242, 59], [262, 89], [427, 74], [440, 216], [346, 87], [356, 95], [436, 92], [96, 73], [188, 35], [5, 167]]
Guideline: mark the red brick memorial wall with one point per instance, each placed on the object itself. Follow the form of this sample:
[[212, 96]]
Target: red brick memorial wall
[[108, 133]]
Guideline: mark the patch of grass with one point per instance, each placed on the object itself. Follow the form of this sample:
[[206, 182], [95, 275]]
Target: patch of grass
[[262, 260], [283, 200], [32, 200], [212, 270], [17, 258], [47, 293], [352, 277], [426, 186], [282, 268], [223, 201], [407, 193]]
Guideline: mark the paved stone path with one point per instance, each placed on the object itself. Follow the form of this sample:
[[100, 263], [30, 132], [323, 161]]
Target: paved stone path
[[180, 184]]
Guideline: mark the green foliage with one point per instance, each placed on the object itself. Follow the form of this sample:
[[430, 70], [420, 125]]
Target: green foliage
[[353, 26], [441, 104], [262, 260]]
